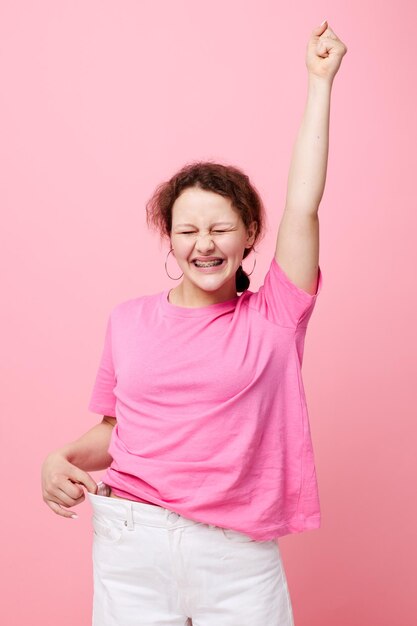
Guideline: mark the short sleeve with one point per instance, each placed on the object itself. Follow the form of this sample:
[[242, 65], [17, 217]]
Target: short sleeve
[[102, 399], [281, 301]]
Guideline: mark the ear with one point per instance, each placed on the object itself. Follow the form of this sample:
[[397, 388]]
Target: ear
[[253, 227]]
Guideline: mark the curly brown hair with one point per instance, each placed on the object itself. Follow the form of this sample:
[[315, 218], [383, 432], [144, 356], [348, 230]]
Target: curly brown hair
[[226, 180]]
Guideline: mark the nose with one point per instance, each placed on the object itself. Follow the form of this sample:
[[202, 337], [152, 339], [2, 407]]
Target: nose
[[204, 242]]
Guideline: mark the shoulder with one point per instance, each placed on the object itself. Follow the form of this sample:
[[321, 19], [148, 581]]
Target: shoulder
[[280, 300], [135, 306]]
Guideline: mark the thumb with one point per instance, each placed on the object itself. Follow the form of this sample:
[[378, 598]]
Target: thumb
[[79, 476], [319, 30]]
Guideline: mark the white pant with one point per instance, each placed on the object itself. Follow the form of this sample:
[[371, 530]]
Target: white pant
[[154, 567]]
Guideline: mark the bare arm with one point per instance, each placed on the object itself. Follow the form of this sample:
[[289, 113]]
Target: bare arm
[[90, 451], [65, 470], [297, 249]]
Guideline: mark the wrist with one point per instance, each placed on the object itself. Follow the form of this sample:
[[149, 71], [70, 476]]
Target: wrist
[[66, 452], [320, 82]]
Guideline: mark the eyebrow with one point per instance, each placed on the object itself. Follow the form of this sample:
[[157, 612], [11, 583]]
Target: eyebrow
[[215, 224]]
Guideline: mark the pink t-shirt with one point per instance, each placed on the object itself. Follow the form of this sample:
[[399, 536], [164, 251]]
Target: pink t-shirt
[[211, 412]]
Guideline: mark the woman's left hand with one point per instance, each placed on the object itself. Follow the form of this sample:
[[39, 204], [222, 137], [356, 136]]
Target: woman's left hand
[[324, 52]]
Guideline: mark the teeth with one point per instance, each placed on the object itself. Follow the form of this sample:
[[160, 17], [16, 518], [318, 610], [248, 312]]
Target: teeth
[[208, 263]]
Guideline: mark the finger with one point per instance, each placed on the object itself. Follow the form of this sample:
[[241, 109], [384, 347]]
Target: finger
[[330, 46], [68, 500], [73, 489], [329, 33], [323, 48], [79, 476], [61, 497], [61, 486], [56, 508], [318, 30]]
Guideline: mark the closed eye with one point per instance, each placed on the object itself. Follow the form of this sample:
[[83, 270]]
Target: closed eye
[[190, 232]]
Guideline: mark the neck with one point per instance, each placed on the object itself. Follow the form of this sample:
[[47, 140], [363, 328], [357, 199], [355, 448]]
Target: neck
[[183, 296]]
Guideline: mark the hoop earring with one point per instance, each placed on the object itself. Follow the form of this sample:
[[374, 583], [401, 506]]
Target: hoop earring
[[166, 260], [252, 267]]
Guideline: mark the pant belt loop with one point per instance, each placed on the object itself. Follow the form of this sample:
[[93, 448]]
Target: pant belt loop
[[129, 522]]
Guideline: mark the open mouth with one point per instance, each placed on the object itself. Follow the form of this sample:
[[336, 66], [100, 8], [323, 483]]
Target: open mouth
[[208, 264]]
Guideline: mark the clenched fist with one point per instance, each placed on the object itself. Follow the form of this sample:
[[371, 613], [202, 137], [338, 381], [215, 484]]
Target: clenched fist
[[324, 52]]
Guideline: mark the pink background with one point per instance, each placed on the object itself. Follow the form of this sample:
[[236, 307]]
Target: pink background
[[102, 101]]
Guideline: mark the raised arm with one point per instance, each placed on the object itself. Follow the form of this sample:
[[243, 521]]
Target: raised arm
[[297, 250]]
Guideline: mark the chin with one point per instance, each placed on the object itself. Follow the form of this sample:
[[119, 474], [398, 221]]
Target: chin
[[213, 287]]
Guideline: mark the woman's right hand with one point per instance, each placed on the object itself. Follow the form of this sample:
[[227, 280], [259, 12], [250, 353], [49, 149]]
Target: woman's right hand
[[61, 484]]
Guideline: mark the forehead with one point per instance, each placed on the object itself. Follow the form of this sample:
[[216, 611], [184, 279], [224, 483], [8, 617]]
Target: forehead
[[199, 204]]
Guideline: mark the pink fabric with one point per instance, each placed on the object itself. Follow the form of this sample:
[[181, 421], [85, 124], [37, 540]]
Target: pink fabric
[[211, 412]]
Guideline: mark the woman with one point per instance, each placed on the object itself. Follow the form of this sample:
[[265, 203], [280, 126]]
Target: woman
[[205, 432]]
